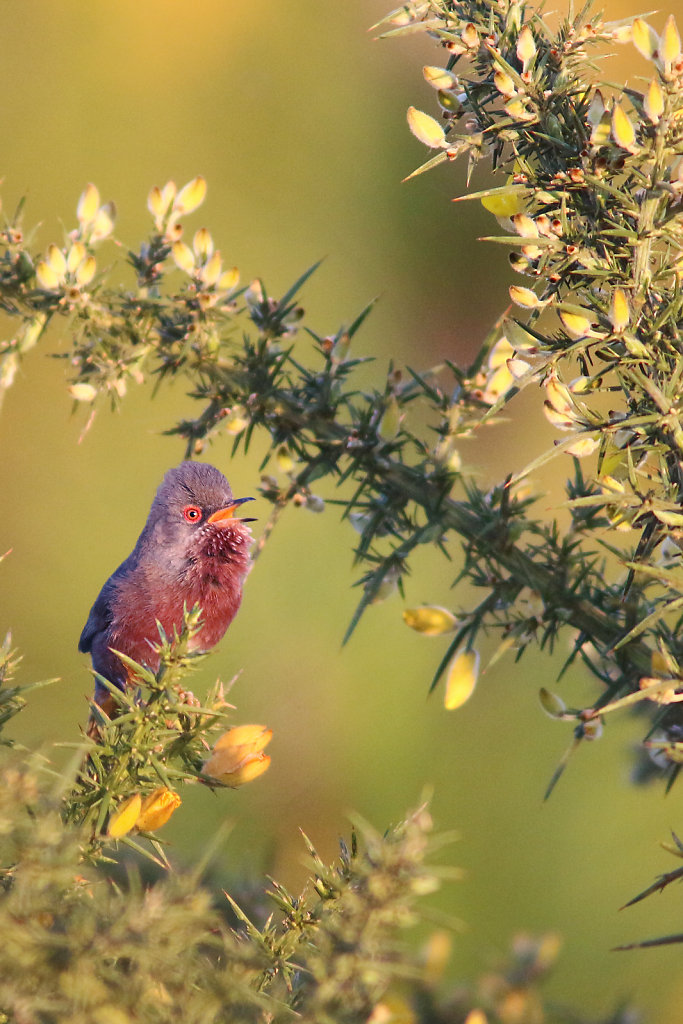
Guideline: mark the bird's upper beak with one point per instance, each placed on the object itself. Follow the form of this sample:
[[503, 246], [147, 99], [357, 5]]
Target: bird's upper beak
[[222, 516]]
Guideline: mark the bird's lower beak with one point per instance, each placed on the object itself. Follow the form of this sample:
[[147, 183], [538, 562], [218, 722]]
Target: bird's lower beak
[[223, 515]]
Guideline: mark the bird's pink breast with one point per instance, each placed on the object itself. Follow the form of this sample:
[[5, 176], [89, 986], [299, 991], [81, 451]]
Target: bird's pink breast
[[213, 582]]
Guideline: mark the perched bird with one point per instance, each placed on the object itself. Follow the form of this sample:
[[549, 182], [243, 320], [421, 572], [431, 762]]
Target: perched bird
[[192, 550]]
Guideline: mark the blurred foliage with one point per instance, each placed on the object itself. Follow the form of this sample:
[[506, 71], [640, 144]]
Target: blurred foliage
[[81, 945], [591, 202]]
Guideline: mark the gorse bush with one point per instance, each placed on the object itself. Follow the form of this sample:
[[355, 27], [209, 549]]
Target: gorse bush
[[589, 197]]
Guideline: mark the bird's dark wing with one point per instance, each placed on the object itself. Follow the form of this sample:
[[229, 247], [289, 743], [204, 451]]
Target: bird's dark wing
[[102, 612], [99, 620]]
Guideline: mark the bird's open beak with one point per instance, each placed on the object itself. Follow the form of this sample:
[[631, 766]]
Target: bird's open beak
[[223, 515]]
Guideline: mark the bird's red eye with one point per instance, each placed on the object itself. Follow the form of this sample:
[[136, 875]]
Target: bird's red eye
[[192, 514]]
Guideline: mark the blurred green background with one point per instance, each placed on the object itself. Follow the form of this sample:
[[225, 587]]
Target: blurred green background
[[295, 115]]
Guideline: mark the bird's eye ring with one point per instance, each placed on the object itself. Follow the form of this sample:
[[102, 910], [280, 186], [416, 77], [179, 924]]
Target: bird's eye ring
[[192, 514]]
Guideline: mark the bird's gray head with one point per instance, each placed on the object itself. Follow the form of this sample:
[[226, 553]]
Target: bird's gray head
[[194, 506]]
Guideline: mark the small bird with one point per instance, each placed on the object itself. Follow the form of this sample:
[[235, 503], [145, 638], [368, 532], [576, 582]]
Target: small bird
[[192, 550]]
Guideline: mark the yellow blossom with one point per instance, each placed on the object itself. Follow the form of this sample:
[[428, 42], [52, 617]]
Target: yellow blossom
[[236, 420], [168, 204], [645, 39], [653, 102], [505, 201], [390, 423], [426, 128], [430, 620], [191, 196], [238, 756], [60, 270], [95, 222], [526, 47], [619, 311], [125, 817], [461, 678], [623, 132], [88, 204], [83, 392], [157, 808], [669, 42], [439, 78]]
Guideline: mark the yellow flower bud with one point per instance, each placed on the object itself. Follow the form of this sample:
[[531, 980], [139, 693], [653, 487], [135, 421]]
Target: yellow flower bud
[[125, 817], [237, 420], [497, 383], [426, 128], [285, 462], [670, 42], [75, 256], [168, 194], [558, 419], [582, 447], [524, 226], [155, 202], [183, 257], [190, 196], [86, 271], [623, 132], [526, 47], [230, 279], [47, 277], [505, 201], [436, 955], [157, 808], [83, 392], [211, 270], [558, 395], [88, 204], [524, 297], [430, 620], [470, 36], [518, 110], [202, 243], [256, 737], [504, 84], [461, 678], [390, 423], [500, 353], [620, 314], [476, 1016], [103, 223], [56, 260], [575, 325], [645, 39], [238, 757], [439, 78], [653, 102]]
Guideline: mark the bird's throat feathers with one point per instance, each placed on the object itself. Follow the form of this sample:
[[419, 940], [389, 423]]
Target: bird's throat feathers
[[210, 574]]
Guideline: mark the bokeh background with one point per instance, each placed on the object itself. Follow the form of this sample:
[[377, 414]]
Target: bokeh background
[[295, 114]]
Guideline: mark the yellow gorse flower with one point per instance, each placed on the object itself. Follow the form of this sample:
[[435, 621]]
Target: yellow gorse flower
[[461, 679], [144, 815], [430, 620], [157, 808], [237, 756], [167, 205], [60, 270], [95, 221], [203, 263], [125, 817]]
